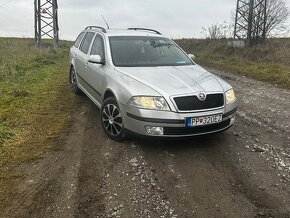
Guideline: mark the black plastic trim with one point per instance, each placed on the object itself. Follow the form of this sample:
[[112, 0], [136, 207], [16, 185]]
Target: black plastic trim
[[230, 113], [96, 27], [151, 30], [176, 131], [153, 120], [89, 85], [131, 133]]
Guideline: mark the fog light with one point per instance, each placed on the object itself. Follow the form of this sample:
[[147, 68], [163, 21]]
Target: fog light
[[154, 130], [233, 119]]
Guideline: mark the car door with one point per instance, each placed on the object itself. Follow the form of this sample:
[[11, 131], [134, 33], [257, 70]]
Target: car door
[[95, 72], [81, 59]]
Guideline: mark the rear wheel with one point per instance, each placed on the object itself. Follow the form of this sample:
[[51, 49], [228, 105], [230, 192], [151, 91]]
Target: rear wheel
[[73, 82], [112, 121]]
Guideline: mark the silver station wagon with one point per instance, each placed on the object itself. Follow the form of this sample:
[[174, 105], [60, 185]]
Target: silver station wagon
[[145, 84]]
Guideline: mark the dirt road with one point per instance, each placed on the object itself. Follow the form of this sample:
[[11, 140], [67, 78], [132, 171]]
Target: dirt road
[[243, 172]]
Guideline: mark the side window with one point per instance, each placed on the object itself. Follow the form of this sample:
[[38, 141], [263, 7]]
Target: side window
[[87, 42], [98, 47], [79, 39]]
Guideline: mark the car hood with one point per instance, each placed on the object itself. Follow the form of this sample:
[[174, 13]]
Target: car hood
[[171, 81]]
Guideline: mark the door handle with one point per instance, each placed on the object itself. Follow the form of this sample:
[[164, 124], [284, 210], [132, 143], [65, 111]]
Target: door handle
[[87, 65]]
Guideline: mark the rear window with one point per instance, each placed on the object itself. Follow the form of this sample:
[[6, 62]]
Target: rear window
[[87, 42], [79, 39]]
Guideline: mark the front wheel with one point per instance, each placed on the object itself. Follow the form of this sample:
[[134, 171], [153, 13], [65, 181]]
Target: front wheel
[[111, 119]]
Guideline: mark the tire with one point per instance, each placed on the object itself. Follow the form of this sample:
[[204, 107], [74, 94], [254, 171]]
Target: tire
[[73, 82], [111, 119]]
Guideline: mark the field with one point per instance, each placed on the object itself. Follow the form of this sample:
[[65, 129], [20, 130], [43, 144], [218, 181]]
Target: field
[[267, 62], [87, 174], [35, 105]]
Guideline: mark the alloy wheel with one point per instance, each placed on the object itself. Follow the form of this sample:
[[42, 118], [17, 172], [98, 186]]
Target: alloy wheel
[[112, 120]]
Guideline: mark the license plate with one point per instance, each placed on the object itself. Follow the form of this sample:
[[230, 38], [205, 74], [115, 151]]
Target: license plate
[[205, 120]]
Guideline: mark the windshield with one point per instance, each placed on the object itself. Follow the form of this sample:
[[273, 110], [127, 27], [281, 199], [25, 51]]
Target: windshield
[[133, 51]]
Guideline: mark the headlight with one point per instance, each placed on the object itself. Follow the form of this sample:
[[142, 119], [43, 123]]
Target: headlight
[[230, 96], [152, 103]]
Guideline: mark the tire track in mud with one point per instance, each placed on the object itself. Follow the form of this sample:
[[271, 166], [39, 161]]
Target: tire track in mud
[[50, 186]]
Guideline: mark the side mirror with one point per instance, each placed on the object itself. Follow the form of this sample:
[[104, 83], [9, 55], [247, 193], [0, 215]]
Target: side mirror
[[192, 56], [96, 59]]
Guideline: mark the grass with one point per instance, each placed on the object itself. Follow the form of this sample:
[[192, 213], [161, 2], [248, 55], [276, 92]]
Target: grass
[[35, 106], [267, 62]]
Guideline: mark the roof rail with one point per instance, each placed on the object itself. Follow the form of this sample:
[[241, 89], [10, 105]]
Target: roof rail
[[96, 27], [151, 30]]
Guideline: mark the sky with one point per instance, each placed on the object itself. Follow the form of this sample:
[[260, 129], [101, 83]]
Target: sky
[[173, 18]]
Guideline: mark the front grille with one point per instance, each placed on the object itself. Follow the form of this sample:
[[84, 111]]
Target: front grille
[[191, 103], [196, 130]]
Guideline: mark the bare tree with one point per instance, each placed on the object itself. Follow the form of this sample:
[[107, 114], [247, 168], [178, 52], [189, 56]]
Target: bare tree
[[277, 14], [217, 31]]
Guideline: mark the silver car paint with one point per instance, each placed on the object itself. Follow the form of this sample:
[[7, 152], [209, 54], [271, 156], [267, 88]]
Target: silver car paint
[[126, 82]]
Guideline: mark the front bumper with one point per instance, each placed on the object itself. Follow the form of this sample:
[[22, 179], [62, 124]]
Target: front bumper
[[135, 120]]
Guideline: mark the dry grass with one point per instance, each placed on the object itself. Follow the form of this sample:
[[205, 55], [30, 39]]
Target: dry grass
[[268, 62], [35, 108]]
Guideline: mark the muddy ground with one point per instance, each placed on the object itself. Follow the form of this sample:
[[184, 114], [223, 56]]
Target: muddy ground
[[242, 172]]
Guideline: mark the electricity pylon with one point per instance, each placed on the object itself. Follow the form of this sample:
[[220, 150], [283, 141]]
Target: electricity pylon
[[251, 19], [46, 21]]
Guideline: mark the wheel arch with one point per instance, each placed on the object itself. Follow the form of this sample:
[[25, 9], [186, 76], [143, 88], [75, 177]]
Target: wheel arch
[[109, 93]]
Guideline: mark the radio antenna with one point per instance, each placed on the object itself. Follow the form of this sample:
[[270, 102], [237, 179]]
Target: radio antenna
[[105, 21]]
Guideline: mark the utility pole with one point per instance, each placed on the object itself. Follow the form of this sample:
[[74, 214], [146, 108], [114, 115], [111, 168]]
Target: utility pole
[[46, 21], [250, 21]]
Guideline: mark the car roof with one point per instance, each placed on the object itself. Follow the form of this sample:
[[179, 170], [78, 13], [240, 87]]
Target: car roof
[[125, 32]]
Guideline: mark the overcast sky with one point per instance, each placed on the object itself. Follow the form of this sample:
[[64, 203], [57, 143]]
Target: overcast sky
[[174, 18]]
